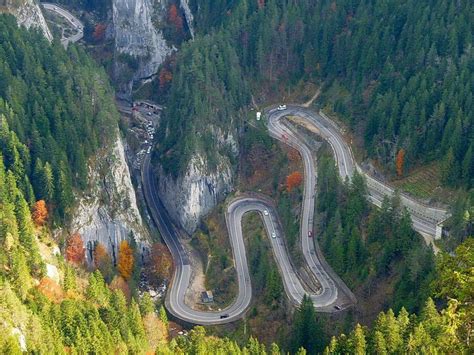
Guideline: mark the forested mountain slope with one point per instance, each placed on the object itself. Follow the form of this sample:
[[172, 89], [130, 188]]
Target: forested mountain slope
[[56, 110], [448, 331], [374, 250], [406, 67]]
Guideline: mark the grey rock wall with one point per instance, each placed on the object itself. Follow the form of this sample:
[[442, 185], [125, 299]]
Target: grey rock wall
[[108, 213], [198, 191], [136, 36], [184, 4]]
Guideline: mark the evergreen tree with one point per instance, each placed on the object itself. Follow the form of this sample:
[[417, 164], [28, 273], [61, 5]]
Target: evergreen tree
[[306, 332]]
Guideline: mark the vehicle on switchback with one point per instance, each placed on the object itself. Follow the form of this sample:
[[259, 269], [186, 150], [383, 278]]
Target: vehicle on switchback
[[265, 213], [281, 107], [224, 316]]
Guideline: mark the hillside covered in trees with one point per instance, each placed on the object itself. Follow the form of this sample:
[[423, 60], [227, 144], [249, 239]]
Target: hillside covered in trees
[[407, 84], [56, 110], [404, 70], [373, 250], [432, 331]]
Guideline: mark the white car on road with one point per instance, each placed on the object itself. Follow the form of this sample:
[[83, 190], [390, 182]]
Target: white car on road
[[281, 107], [265, 213]]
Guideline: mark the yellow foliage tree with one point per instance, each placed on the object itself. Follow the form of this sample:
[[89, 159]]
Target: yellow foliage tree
[[400, 161], [125, 261], [40, 213]]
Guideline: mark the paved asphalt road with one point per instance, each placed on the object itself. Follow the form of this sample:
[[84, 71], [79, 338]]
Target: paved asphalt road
[[181, 279], [74, 21], [325, 300], [425, 218], [235, 211]]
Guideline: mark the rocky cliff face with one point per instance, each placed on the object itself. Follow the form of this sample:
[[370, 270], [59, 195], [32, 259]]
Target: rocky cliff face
[[138, 43], [184, 4], [195, 193], [28, 14], [109, 213]]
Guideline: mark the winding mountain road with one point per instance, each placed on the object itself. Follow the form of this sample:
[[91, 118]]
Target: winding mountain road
[[74, 21], [424, 218], [333, 290]]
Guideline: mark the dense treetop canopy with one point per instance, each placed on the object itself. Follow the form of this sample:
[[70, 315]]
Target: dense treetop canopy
[[56, 110]]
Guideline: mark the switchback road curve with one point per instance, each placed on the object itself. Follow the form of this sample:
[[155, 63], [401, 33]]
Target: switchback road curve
[[236, 209], [74, 21], [332, 287], [424, 218], [175, 299]]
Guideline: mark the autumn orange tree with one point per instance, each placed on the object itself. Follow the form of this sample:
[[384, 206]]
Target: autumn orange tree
[[75, 249], [293, 155], [293, 180], [174, 18], [125, 261], [119, 284], [165, 77], [99, 32], [50, 289], [400, 161], [160, 263], [103, 262], [40, 212]]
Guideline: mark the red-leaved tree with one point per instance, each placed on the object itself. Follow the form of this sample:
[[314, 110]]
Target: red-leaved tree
[[174, 18], [293, 180], [99, 32], [160, 263], [75, 251], [165, 77]]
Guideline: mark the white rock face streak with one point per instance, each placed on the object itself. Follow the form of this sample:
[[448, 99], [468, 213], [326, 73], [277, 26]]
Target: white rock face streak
[[195, 193], [184, 4], [109, 214], [136, 35]]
